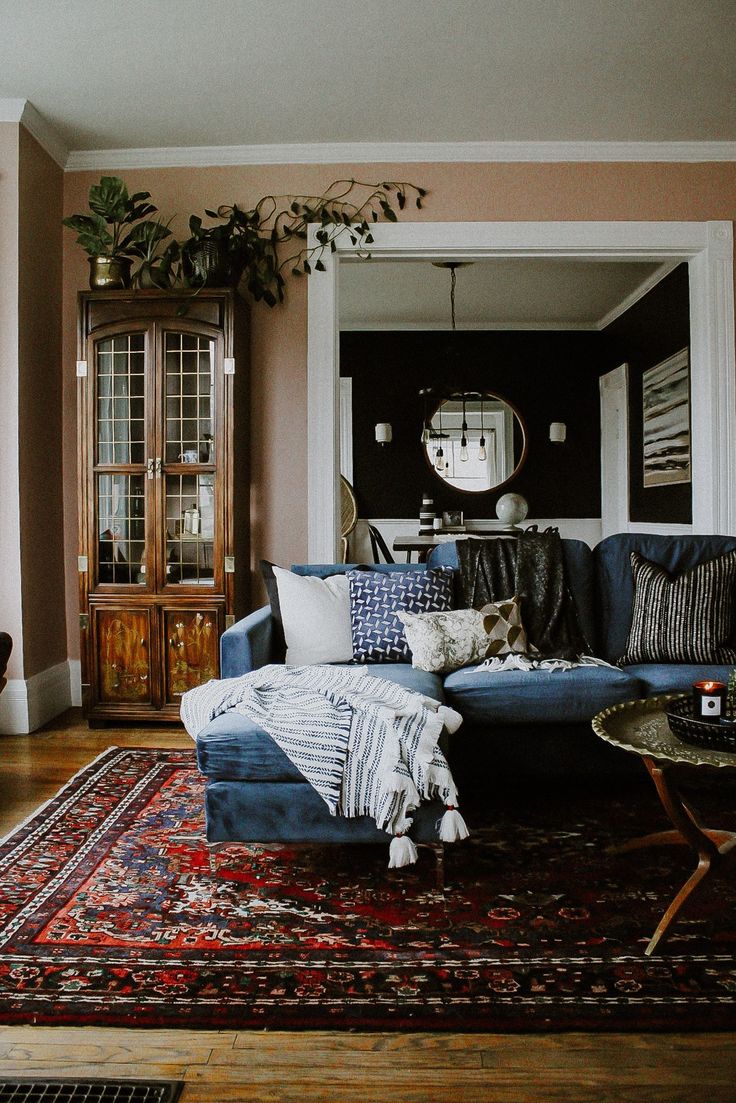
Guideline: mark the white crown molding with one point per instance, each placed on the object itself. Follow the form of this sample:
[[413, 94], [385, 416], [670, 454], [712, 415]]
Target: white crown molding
[[327, 153], [23, 112], [426, 327], [11, 111], [638, 293], [45, 135], [358, 326]]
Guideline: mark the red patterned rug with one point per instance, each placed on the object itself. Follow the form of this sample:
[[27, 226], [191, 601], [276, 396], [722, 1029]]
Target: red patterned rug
[[107, 919]]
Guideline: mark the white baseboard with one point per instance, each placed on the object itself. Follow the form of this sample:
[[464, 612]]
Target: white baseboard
[[27, 704], [75, 682]]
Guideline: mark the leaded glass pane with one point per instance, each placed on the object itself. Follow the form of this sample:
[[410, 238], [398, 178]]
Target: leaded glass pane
[[189, 398], [121, 528], [120, 402], [190, 526]]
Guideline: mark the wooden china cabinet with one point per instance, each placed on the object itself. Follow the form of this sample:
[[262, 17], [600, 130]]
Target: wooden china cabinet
[[163, 494]]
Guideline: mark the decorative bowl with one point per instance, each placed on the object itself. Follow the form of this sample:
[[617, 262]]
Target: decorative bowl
[[714, 737]]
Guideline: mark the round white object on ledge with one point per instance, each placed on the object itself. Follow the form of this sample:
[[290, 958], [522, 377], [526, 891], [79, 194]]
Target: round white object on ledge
[[511, 508]]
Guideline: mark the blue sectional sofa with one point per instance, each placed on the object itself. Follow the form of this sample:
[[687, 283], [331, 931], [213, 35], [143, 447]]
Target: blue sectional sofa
[[516, 722]]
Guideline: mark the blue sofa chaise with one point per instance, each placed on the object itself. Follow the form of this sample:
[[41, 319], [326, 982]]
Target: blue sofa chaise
[[515, 722]]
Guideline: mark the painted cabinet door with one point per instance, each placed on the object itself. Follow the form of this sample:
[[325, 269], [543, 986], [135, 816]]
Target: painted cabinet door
[[122, 640], [191, 648]]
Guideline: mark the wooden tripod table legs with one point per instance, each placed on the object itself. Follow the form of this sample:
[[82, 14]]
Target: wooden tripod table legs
[[710, 845]]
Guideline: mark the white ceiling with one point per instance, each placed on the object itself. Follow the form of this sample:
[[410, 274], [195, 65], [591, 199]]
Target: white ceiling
[[184, 73], [491, 294]]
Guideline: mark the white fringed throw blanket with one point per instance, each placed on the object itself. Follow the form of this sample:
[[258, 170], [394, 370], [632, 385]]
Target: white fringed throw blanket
[[368, 746]]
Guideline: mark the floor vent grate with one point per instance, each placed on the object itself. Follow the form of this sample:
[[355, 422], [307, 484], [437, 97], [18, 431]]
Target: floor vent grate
[[20, 1090]]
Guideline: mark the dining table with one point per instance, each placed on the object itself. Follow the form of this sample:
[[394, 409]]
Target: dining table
[[423, 544]]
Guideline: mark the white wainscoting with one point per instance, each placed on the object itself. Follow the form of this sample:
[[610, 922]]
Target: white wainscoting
[[27, 704], [587, 529]]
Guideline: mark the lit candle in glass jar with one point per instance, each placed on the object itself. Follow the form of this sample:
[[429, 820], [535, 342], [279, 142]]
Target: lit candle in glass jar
[[709, 701]]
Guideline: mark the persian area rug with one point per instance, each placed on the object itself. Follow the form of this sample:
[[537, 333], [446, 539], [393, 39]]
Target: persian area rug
[[107, 917]]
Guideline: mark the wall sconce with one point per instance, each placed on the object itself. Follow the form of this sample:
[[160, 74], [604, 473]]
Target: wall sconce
[[384, 432], [558, 432]]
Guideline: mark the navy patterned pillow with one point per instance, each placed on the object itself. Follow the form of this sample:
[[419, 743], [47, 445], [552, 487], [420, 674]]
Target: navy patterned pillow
[[375, 600]]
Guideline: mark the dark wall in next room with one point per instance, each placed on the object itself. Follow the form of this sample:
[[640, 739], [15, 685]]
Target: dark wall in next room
[[548, 376], [652, 330]]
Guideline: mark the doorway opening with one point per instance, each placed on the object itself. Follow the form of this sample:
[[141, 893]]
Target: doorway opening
[[707, 248]]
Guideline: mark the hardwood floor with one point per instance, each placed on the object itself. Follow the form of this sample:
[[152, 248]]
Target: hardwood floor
[[323, 1067]]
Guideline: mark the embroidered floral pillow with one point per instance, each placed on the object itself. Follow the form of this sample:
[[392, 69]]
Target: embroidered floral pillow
[[443, 642]]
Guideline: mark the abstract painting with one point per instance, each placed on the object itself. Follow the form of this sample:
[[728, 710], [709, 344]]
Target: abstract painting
[[666, 409]]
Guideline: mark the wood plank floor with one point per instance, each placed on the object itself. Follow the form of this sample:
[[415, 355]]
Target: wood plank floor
[[324, 1067]]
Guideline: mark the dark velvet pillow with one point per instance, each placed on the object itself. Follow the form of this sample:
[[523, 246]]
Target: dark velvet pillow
[[278, 646]]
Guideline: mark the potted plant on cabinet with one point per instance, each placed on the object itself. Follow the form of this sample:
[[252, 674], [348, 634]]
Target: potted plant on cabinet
[[262, 245], [104, 233], [157, 268], [259, 247]]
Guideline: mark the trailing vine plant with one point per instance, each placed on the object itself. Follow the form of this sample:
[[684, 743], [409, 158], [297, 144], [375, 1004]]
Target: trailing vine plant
[[261, 246], [270, 241]]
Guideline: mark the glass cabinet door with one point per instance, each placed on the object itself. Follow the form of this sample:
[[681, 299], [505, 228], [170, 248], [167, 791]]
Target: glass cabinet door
[[119, 441], [189, 459]]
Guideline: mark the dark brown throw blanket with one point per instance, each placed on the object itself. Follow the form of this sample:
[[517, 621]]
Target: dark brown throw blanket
[[532, 567]]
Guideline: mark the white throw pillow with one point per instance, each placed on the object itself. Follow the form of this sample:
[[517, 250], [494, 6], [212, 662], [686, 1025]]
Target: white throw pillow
[[316, 616]]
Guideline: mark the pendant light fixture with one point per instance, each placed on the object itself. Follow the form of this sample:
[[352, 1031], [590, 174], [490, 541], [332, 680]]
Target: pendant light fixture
[[482, 454], [453, 265], [464, 437], [439, 456]]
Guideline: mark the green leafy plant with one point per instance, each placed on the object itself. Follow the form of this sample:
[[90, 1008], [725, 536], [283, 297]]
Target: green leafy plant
[[261, 246], [157, 267], [731, 696], [271, 240], [104, 232]]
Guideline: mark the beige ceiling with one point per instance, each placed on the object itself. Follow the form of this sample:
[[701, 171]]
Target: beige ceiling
[[510, 293], [173, 73]]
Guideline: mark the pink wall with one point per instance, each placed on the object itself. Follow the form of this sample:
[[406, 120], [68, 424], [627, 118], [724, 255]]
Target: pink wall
[[11, 610], [40, 408], [462, 192]]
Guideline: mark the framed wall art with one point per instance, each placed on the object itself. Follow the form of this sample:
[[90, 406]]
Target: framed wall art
[[666, 421]]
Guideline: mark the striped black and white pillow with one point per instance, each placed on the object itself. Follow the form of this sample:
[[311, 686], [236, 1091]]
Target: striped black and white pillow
[[690, 618]]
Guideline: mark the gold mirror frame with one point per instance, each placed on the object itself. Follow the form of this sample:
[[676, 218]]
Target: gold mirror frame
[[490, 396]]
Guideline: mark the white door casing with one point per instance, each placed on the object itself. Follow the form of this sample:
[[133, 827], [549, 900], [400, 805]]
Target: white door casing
[[614, 391], [707, 247]]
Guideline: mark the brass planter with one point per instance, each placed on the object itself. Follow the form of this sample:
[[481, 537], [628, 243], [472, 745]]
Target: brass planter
[[109, 273]]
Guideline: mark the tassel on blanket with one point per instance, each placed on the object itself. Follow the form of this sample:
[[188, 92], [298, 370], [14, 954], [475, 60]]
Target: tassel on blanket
[[452, 826], [402, 852], [450, 718]]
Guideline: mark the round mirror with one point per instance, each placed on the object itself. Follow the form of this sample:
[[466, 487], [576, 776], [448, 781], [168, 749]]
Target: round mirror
[[475, 441]]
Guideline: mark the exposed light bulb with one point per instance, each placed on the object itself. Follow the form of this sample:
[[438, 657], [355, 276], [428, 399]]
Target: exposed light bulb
[[482, 454], [464, 437], [440, 460], [425, 434]]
